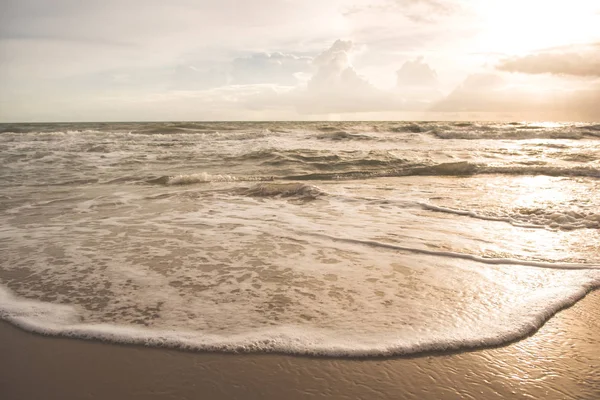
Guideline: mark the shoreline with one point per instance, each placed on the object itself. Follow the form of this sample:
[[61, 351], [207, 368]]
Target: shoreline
[[559, 361]]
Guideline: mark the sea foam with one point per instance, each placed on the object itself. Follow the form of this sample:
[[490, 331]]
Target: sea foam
[[533, 217], [60, 320]]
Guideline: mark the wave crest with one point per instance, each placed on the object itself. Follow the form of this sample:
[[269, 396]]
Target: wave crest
[[296, 190], [202, 177], [532, 217]]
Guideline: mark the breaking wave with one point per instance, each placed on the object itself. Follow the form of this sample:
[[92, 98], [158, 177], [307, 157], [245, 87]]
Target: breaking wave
[[463, 256], [533, 217], [343, 135], [203, 177], [515, 131], [296, 190], [461, 168], [322, 160], [64, 320]]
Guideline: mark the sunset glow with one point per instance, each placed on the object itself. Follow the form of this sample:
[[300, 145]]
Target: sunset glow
[[517, 26], [300, 60]]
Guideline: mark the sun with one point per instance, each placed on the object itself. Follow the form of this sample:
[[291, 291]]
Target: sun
[[520, 26]]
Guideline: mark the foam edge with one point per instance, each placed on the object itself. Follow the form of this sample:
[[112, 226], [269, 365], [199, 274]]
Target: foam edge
[[37, 317]]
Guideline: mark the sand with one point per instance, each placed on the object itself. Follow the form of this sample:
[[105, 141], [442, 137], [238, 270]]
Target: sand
[[560, 361]]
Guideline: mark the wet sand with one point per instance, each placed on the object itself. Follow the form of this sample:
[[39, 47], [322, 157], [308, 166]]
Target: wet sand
[[561, 361]]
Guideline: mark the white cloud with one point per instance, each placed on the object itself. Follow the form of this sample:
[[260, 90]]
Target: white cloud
[[415, 10], [417, 83], [416, 73], [337, 87], [334, 72], [263, 67], [577, 61]]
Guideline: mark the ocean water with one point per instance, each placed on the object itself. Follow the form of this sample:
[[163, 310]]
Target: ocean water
[[342, 239]]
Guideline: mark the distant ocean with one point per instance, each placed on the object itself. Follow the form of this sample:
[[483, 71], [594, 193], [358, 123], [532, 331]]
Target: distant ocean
[[329, 238]]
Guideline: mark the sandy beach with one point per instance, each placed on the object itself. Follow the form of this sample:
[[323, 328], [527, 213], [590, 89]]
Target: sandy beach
[[560, 361]]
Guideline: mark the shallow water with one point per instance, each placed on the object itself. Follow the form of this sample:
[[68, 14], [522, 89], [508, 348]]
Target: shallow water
[[312, 238]]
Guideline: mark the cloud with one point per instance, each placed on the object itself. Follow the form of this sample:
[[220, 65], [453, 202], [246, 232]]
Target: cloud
[[255, 69], [478, 92], [481, 81], [210, 62], [414, 10], [417, 83], [423, 9], [189, 77], [337, 87], [233, 102], [75, 37], [334, 70], [584, 62], [584, 104], [416, 73], [269, 68], [493, 94]]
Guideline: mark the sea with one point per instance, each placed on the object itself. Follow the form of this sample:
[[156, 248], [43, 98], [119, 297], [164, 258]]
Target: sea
[[345, 239]]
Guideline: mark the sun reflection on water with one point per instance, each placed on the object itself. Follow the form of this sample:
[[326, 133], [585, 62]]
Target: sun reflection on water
[[539, 191]]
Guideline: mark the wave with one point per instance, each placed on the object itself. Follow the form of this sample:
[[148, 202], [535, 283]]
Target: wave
[[581, 157], [343, 130], [242, 135], [411, 128], [512, 132], [463, 256], [591, 130], [183, 128], [590, 172], [296, 190], [346, 170], [63, 320], [167, 130], [322, 160], [343, 135], [73, 182], [533, 217], [203, 177], [460, 168]]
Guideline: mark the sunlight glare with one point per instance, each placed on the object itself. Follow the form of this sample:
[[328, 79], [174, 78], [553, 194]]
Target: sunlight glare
[[518, 26]]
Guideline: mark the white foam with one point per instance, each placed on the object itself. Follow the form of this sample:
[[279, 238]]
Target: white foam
[[514, 132], [464, 256], [533, 218], [203, 177], [232, 276], [298, 190], [58, 320], [541, 170], [199, 178]]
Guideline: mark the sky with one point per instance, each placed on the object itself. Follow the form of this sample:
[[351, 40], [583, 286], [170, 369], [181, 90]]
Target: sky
[[143, 60]]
